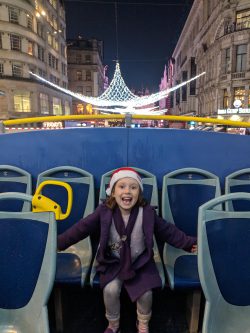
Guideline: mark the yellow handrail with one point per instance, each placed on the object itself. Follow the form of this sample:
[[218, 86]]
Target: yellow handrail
[[234, 123]]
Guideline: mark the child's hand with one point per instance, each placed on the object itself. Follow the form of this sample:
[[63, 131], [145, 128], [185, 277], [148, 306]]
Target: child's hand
[[194, 249]]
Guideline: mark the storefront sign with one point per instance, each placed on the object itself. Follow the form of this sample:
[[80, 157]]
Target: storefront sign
[[52, 125], [234, 111]]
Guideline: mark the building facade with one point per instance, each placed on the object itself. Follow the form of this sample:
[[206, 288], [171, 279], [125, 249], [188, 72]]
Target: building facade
[[32, 39], [216, 40], [86, 73]]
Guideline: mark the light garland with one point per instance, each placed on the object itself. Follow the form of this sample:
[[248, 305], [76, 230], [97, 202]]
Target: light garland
[[118, 94]]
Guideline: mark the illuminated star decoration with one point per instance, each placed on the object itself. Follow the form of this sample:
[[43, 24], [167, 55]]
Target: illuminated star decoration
[[119, 98]]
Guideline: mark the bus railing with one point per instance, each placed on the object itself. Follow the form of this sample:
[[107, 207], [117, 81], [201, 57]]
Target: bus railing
[[127, 117]]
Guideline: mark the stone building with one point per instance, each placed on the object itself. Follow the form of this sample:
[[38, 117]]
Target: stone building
[[32, 38], [86, 73], [215, 39]]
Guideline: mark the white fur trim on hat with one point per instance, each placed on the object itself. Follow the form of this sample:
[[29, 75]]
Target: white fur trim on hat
[[123, 173]]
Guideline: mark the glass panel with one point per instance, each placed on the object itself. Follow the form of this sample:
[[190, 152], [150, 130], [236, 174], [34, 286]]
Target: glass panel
[[22, 101]]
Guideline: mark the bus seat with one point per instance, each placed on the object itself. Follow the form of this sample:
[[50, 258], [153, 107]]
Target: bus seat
[[150, 193], [14, 179], [238, 181], [28, 263], [223, 247], [72, 264], [183, 191]]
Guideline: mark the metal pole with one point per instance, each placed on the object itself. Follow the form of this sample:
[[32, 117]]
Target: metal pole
[[2, 129], [128, 120]]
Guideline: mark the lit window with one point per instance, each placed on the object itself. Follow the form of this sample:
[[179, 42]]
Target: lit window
[[44, 103], [30, 48], [79, 75], [67, 107], [243, 19], [50, 39], [79, 108], [239, 93], [57, 106], [225, 99], [22, 101]]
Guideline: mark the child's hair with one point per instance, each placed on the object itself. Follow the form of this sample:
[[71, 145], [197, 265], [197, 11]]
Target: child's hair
[[110, 202]]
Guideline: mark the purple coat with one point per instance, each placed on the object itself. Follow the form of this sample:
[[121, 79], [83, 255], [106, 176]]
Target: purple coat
[[147, 276]]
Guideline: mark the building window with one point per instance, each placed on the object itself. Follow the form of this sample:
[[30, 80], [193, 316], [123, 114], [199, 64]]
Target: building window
[[50, 39], [22, 101], [30, 48], [225, 99], [184, 88], [88, 91], [13, 15], [79, 89], [177, 94], [1, 43], [44, 103], [57, 106], [88, 75], [88, 58], [239, 93], [79, 108], [79, 75], [17, 70], [29, 22], [53, 61], [40, 29], [225, 61], [15, 42], [64, 69], [241, 58], [53, 3], [78, 58], [192, 85], [1, 70], [243, 19], [40, 53], [67, 107]]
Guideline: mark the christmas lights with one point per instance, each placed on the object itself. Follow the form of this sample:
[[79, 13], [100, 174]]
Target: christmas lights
[[119, 96]]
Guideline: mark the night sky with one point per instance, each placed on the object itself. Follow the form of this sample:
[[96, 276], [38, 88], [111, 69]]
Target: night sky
[[147, 33]]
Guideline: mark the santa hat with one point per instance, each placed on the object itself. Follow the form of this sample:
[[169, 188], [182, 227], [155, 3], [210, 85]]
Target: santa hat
[[123, 173]]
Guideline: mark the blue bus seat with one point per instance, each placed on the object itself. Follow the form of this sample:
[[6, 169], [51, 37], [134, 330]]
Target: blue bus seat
[[150, 193], [28, 264], [72, 264], [183, 191], [223, 248], [238, 181], [14, 179]]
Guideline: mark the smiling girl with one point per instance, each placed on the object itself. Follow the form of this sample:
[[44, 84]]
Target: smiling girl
[[125, 256]]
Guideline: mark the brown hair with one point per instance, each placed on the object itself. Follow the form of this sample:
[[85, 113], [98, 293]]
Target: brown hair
[[110, 202]]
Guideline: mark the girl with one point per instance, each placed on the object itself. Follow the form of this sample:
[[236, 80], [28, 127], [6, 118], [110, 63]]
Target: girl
[[125, 256]]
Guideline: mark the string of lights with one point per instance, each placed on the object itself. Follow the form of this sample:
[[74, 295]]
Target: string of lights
[[118, 94]]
